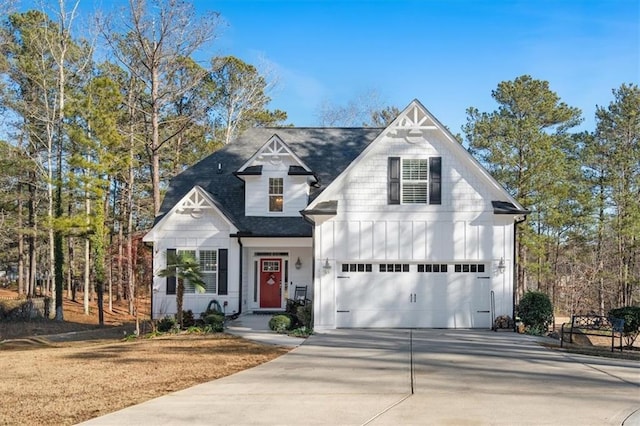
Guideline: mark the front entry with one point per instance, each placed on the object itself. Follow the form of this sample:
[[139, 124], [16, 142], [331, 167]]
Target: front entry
[[270, 283]]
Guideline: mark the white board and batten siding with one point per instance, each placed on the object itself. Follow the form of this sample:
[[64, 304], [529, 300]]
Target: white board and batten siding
[[368, 232]]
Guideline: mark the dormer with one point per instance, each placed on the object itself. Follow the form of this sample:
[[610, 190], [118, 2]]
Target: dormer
[[276, 180]]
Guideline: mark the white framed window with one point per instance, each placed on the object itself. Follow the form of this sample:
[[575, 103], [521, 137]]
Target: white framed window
[[208, 261], [415, 180], [209, 267], [276, 191]]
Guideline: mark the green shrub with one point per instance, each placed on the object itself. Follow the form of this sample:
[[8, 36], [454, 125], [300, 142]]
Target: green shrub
[[280, 323], [301, 332], [536, 312], [304, 315], [166, 324], [214, 322], [292, 306], [187, 319], [631, 317]]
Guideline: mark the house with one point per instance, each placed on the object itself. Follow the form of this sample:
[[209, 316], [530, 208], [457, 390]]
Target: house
[[384, 227]]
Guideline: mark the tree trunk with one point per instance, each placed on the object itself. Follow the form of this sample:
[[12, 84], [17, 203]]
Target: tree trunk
[[129, 207], [87, 258], [121, 252], [71, 288], [155, 139], [179, 301], [20, 236], [31, 239]]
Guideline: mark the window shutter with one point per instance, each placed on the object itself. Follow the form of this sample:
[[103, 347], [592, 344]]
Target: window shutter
[[394, 180], [222, 271], [171, 281], [435, 180]]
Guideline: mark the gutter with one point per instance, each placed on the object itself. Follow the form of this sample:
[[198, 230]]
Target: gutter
[[238, 236], [514, 280]]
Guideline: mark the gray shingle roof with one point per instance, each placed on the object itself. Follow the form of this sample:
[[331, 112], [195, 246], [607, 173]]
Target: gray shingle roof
[[327, 151]]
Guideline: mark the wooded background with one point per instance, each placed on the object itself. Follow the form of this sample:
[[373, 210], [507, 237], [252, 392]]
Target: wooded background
[[94, 125]]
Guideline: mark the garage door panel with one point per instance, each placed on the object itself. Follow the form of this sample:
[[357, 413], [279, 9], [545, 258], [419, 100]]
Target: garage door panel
[[412, 299]]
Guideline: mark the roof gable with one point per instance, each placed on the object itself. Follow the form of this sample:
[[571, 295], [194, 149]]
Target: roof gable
[[274, 151], [413, 125], [194, 203], [323, 152]]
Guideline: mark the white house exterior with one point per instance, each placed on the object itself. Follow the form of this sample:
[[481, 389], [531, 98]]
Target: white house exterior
[[394, 227]]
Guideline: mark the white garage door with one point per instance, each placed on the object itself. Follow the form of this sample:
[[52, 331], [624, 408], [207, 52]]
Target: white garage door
[[428, 295]]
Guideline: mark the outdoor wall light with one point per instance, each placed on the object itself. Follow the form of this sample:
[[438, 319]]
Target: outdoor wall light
[[501, 265], [298, 263], [326, 265]]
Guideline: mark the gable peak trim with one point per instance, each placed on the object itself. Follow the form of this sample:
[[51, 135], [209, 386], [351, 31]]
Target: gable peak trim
[[273, 151], [412, 123], [195, 202]]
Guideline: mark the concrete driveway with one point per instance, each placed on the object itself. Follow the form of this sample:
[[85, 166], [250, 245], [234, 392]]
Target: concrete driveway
[[408, 377]]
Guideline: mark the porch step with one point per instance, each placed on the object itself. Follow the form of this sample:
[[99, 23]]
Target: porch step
[[267, 312]]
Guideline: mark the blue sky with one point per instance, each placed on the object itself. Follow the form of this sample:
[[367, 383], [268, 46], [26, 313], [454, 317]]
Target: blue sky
[[449, 55]]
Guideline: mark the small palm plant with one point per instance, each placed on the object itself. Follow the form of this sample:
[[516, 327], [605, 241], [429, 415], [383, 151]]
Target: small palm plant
[[183, 266]]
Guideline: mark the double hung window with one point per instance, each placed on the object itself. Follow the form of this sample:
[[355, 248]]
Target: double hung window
[[213, 270], [276, 190], [414, 180]]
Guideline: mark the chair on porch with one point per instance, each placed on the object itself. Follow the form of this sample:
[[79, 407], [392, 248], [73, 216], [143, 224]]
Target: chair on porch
[[300, 294]]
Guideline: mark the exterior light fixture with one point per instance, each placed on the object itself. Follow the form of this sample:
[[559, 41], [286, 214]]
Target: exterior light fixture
[[501, 265], [326, 265], [298, 263]]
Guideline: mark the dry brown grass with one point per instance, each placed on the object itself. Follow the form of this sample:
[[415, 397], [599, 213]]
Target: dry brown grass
[[62, 381]]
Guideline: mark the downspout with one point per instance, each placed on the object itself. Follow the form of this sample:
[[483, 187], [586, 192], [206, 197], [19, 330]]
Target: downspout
[[313, 268], [514, 272], [240, 276]]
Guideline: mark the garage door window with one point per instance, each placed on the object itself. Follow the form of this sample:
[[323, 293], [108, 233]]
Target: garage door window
[[356, 267], [469, 267], [432, 267], [394, 267]]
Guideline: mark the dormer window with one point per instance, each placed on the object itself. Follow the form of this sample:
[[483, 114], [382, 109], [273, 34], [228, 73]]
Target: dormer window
[[276, 186]]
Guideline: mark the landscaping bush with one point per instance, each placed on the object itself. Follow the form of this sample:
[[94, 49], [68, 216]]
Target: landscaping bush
[[281, 323], [292, 306], [631, 317], [187, 319], [166, 324], [215, 321], [536, 312], [303, 332], [304, 315]]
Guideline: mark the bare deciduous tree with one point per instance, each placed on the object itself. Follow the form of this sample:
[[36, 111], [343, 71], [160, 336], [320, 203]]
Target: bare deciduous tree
[[149, 39]]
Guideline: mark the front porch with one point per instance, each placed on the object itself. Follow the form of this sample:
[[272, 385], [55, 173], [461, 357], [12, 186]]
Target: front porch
[[256, 327]]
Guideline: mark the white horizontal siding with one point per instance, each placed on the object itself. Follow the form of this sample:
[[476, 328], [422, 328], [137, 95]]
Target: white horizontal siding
[[365, 187], [183, 231], [295, 189]]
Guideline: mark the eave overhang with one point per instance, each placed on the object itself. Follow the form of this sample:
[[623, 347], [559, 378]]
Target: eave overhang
[[506, 207], [321, 212]]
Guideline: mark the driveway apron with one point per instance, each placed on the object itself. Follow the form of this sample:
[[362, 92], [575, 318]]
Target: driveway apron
[[408, 377]]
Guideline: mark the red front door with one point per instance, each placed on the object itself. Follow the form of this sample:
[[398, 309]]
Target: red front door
[[270, 283]]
